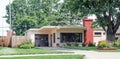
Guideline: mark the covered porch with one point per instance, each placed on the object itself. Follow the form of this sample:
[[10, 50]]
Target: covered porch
[[54, 36]]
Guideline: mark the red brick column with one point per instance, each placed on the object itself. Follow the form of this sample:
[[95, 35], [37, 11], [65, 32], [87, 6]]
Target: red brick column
[[88, 33]]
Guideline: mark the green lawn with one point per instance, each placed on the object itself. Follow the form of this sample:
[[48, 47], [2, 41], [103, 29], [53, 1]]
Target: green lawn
[[48, 57], [80, 48], [10, 51], [91, 48]]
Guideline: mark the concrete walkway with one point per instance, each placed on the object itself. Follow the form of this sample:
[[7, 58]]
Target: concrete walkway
[[99, 55], [91, 54]]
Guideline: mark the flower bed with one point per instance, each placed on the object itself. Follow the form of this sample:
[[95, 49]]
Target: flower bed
[[107, 48]]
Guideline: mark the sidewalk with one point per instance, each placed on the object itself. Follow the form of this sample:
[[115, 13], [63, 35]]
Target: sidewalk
[[97, 55], [102, 55], [35, 55]]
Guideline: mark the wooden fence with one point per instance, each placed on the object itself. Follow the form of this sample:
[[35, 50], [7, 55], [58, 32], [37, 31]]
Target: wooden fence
[[17, 40]]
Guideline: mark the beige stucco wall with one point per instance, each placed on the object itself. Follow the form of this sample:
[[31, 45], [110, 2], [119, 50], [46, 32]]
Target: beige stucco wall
[[96, 39], [54, 31], [31, 35]]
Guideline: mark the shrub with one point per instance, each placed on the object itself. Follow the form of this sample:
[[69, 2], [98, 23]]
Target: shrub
[[102, 44], [27, 42], [91, 45], [83, 44], [76, 44], [117, 43], [68, 44], [26, 45]]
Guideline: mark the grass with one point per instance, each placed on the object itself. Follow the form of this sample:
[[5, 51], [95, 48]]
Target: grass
[[80, 48], [48, 57], [13, 51], [91, 48]]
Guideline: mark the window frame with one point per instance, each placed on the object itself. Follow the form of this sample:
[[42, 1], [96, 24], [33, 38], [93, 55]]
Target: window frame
[[98, 34]]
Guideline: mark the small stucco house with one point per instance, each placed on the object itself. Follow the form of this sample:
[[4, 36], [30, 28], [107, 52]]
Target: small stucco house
[[54, 36]]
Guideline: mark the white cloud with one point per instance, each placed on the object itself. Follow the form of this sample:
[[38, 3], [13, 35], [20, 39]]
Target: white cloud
[[92, 17]]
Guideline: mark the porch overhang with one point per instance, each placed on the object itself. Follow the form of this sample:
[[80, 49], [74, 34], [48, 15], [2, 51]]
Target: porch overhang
[[52, 28]]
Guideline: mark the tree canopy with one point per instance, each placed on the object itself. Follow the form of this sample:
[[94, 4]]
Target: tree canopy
[[27, 14], [107, 12]]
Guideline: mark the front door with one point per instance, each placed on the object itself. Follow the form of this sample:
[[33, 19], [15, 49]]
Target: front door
[[41, 40]]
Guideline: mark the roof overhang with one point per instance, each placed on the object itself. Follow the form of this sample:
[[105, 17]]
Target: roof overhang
[[50, 28]]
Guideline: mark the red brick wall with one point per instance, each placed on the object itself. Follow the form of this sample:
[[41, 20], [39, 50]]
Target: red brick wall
[[88, 32], [5, 40]]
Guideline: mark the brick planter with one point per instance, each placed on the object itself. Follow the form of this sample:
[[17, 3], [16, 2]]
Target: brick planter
[[107, 48]]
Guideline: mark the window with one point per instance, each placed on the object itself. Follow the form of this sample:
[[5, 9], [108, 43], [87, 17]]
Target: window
[[97, 33], [117, 34], [53, 37], [70, 37]]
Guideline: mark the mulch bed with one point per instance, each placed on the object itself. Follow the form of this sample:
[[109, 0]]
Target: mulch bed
[[107, 48]]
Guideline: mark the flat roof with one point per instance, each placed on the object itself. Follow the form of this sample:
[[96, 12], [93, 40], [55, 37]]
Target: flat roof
[[56, 27]]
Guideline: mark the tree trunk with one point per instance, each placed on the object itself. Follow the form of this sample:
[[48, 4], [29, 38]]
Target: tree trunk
[[110, 37]]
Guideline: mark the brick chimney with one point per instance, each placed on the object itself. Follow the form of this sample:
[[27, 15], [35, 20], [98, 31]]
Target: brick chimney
[[9, 33], [88, 33]]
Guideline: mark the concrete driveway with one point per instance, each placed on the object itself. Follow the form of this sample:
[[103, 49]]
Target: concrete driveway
[[89, 54]]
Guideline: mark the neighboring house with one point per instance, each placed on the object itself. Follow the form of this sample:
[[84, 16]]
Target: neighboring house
[[118, 33], [6, 40], [53, 36]]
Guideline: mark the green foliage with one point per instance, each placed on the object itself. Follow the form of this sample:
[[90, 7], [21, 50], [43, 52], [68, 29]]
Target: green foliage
[[102, 44], [108, 44], [24, 24], [91, 45], [107, 13], [38, 13], [117, 43], [83, 44], [80, 48], [27, 45]]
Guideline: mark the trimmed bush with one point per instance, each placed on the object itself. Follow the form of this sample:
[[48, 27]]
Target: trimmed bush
[[83, 44], [91, 45], [102, 44], [27, 45], [117, 43]]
